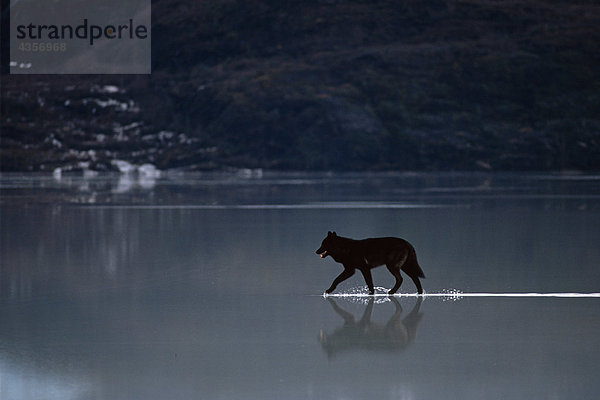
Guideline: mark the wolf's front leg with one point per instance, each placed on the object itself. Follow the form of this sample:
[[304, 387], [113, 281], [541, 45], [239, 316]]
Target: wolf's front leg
[[368, 279], [347, 273]]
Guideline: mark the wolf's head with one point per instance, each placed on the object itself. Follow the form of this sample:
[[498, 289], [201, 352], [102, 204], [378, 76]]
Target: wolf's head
[[328, 245]]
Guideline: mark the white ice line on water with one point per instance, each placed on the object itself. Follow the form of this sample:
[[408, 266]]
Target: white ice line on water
[[272, 206], [446, 295]]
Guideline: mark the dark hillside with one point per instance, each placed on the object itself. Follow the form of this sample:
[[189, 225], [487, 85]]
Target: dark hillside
[[345, 85]]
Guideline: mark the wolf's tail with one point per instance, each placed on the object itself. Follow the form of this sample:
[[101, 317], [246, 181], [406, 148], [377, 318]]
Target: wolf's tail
[[412, 267]]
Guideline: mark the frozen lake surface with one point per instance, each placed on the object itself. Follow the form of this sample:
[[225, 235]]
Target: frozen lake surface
[[207, 286]]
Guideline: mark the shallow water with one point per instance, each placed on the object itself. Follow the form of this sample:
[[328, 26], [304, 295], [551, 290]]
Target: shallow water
[[207, 286]]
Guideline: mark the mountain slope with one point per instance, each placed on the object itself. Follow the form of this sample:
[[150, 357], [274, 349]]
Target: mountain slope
[[358, 85]]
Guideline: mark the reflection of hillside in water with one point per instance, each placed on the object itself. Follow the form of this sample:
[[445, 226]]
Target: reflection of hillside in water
[[143, 185], [395, 335], [80, 250]]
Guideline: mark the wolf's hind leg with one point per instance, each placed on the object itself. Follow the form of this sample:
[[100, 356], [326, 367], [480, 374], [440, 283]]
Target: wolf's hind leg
[[417, 282], [395, 270]]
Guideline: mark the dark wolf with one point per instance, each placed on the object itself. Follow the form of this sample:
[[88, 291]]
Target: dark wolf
[[397, 254]]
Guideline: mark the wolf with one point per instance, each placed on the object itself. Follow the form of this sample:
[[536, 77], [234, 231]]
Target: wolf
[[397, 254]]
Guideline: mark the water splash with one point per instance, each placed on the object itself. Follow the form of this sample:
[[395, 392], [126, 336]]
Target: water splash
[[361, 294]]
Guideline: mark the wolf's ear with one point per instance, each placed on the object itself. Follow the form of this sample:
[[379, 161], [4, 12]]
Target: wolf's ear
[[329, 233], [334, 234]]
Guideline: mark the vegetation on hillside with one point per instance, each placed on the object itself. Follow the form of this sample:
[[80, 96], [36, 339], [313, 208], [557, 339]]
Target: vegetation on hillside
[[330, 85]]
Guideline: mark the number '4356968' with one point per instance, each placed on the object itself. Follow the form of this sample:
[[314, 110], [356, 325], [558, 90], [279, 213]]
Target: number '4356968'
[[42, 46]]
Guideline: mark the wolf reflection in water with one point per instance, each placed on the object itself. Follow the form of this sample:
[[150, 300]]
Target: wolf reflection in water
[[396, 335]]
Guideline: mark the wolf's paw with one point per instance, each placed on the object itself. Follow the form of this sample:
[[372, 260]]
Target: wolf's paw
[[329, 291]]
